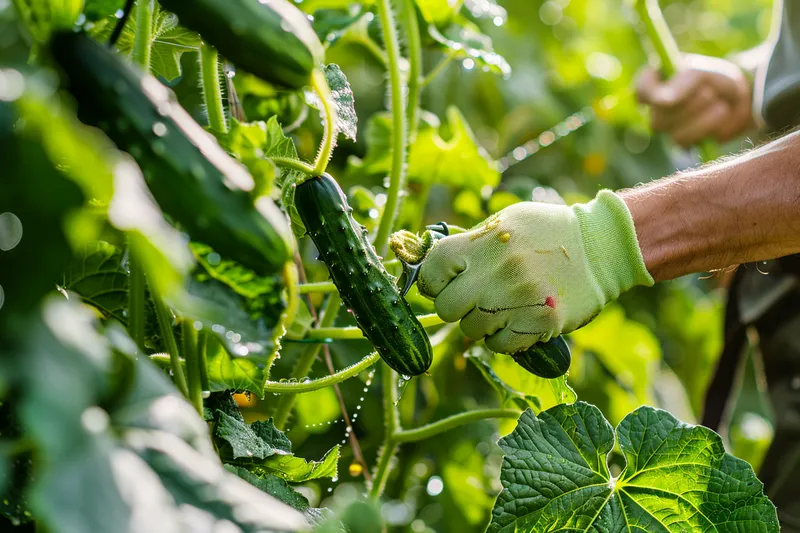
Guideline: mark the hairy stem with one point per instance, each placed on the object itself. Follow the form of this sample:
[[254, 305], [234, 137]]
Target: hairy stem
[[320, 86], [323, 382], [144, 34], [305, 362], [410, 25], [440, 426], [212, 88], [190, 356], [294, 164], [399, 138], [202, 362], [136, 300], [164, 317], [391, 424]]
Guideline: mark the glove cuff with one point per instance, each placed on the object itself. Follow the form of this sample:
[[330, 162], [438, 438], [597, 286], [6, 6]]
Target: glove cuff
[[611, 247]]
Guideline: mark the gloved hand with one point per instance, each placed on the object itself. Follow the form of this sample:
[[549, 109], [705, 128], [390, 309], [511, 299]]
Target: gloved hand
[[534, 271]]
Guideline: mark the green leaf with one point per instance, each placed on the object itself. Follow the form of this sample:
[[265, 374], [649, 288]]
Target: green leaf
[[477, 356], [437, 11], [346, 119], [169, 42], [41, 17], [249, 441], [97, 274], [297, 470], [458, 161], [246, 141], [467, 42], [242, 280], [228, 372], [274, 486], [16, 467], [331, 24], [98, 9], [678, 477]]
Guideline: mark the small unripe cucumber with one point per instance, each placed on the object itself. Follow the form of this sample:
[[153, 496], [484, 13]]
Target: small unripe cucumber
[[549, 359], [272, 39], [191, 177], [365, 286]]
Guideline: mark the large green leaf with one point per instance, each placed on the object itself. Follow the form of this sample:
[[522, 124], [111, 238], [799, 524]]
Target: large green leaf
[[246, 141], [169, 41], [97, 274], [458, 161], [273, 486], [277, 144], [678, 477], [437, 11]]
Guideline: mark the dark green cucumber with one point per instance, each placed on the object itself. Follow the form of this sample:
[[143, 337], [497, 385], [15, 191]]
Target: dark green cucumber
[[191, 177], [366, 288], [272, 39], [549, 359]]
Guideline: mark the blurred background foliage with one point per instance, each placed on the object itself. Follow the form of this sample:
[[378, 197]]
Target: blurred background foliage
[[657, 346]]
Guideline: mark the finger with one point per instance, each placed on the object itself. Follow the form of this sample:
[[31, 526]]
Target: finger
[[647, 84], [705, 125], [510, 341], [457, 299], [678, 89], [671, 120], [732, 85], [478, 323], [444, 261]]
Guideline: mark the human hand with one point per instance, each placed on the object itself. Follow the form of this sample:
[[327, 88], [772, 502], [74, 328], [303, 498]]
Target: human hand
[[708, 98], [534, 271]]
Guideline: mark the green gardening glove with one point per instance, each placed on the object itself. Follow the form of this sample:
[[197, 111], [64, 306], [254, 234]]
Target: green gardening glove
[[534, 271]]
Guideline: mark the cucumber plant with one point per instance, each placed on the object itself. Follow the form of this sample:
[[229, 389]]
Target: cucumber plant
[[169, 279]]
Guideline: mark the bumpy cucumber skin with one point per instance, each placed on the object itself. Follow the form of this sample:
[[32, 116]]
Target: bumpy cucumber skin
[[273, 40], [190, 175], [549, 359], [366, 288]]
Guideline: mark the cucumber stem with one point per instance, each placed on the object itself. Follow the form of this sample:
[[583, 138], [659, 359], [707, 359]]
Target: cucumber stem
[[440, 426], [305, 361], [320, 86], [399, 126], [212, 89], [136, 300], [323, 382], [190, 356], [289, 277], [202, 361], [143, 37], [164, 317], [294, 164], [410, 24], [391, 422]]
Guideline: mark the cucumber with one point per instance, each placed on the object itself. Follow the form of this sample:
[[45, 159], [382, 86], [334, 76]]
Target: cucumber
[[191, 177], [366, 288], [549, 359], [271, 39]]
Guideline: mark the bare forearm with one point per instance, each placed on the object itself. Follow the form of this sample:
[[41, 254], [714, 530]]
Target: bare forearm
[[740, 210]]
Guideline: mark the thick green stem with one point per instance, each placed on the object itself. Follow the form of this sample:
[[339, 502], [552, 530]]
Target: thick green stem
[[212, 89], [440, 426], [289, 277], [202, 361], [294, 164], [391, 422], [353, 332], [325, 286], [136, 300], [410, 25], [164, 317], [143, 37], [399, 133], [190, 356], [320, 85], [305, 361]]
